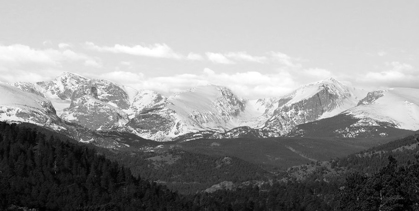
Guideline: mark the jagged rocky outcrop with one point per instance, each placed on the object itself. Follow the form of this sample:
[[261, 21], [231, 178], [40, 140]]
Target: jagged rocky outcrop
[[104, 91], [371, 97], [196, 109], [146, 100], [95, 109], [308, 104], [63, 86], [214, 111]]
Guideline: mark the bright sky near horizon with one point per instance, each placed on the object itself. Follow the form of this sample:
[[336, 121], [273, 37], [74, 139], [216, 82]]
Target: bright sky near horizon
[[257, 48]]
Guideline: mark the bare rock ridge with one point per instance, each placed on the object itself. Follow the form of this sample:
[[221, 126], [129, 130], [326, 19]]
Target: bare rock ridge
[[207, 111]]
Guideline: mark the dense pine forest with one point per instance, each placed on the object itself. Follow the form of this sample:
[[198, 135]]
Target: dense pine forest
[[47, 173], [43, 170]]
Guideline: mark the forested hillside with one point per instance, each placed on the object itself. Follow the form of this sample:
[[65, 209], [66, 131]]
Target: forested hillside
[[43, 171], [48, 173]]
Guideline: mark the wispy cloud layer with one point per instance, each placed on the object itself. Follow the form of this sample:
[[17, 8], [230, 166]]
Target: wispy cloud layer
[[23, 63], [285, 59], [277, 73], [21, 54], [218, 58], [243, 56], [249, 84], [156, 50], [393, 74]]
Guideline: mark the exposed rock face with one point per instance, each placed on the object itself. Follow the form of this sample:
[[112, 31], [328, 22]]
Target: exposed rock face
[[204, 111], [229, 102], [154, 126], [19, 106], [104, 91], [63, 86], [94, 114], [324, 97], [371, 97], [146, 101], [97, 105], [162, 118]]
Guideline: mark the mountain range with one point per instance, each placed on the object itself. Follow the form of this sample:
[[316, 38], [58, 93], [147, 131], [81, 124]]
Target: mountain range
[[84, 107]]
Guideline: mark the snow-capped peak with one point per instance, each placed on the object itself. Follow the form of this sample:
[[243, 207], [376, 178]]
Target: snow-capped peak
[[399, 106], [63, 86], [330, 85]]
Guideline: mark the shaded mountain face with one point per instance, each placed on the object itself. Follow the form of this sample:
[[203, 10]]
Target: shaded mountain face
[[347, 126], [216, 112]]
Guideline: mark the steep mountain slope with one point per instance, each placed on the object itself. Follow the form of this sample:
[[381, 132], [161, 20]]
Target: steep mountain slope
[[274, 117], [19, 106], [215, 112], [383, 113], [309, 103], [63, 86], [97, 105], [200, 108], [397, 106]]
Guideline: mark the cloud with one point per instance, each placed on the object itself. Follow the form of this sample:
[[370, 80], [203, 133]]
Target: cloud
[[243, 56], [395, 74], [218, 58], [64, 45], [15, 54], [401, 67], [194, 56], [93, 63], [157, 50], [21, 54], [231, 57], [123, 77], [20, 62], [286, 60], [250, 85], [382, 53], [317, 73]]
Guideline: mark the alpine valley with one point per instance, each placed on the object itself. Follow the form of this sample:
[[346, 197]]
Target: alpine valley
[[217, 150], [316, 122]]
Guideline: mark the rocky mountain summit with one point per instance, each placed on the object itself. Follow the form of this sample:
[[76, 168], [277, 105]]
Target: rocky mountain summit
[[207, 111]]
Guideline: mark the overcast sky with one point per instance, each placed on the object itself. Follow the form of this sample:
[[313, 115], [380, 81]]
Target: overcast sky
[[256, 48]]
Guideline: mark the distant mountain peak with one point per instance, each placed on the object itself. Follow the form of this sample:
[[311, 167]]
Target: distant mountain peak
[[70, 74]]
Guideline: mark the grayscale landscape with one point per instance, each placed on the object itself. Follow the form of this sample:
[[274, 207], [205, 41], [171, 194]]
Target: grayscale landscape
[[209, 105]]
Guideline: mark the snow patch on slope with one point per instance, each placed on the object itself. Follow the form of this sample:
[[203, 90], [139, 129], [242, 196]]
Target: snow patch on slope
[[399, 106]]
